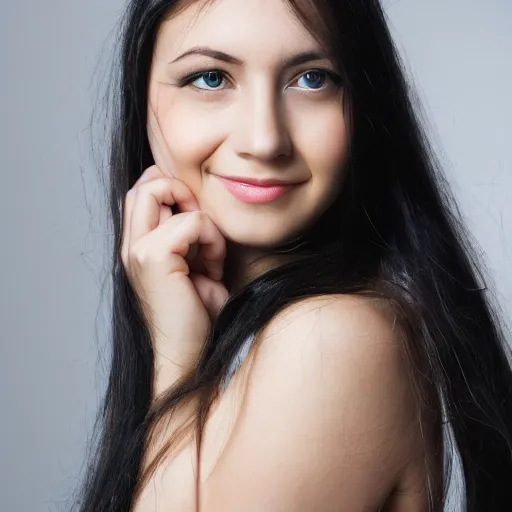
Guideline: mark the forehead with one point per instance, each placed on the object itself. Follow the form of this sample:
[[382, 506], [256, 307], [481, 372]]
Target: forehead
[[257, 27]]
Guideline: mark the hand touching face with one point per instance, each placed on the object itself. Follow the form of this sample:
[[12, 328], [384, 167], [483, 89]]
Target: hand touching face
[[233, 107]]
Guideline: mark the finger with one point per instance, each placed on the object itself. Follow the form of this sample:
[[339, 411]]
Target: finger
[[212, 295], [150, 173], [180, 232], [213, 258], [159, 150], [149, 198], [212, 246], [165, 214]]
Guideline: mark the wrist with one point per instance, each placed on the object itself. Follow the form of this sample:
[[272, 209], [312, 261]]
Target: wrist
[[167, 371]]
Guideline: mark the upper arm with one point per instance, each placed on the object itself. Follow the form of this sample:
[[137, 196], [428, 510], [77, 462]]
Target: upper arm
[[327, 418]]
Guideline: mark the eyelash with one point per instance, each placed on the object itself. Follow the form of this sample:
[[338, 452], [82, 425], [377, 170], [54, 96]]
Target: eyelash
[[187, 80]]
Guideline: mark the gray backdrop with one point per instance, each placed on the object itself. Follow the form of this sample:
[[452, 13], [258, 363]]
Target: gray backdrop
[[52, 234]]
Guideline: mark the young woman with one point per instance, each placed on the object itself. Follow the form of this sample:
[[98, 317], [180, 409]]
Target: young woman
[[296, 310]]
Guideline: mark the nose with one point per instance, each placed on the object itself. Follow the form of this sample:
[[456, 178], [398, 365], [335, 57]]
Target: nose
[[261, 130]]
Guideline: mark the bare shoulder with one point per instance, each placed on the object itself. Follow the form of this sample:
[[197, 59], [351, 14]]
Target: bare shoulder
[[345, 329], [329, 419], [337, 315]]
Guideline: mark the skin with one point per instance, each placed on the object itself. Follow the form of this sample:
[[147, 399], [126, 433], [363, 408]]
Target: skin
[[328, 419], [261, 120]]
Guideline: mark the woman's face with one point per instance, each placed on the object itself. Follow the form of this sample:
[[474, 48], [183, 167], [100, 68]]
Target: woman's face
[[250, 112]]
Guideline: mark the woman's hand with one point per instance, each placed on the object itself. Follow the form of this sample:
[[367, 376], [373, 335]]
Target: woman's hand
[[175, 265]]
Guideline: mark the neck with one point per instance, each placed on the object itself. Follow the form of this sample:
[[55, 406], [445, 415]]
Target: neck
[[244, 263]]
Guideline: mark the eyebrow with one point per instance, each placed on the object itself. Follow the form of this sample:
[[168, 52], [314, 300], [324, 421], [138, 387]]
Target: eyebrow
[[289, 62]]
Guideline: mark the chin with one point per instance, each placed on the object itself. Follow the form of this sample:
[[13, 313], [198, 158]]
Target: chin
[[264, 231]]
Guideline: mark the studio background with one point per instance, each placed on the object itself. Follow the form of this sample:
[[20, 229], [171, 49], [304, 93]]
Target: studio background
[[53, 236]]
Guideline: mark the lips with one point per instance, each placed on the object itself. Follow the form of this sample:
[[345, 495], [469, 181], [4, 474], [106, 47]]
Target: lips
[[258, 182], [254, 191]]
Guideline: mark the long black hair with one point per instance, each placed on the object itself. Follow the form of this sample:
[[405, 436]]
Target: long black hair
[[394, 232]]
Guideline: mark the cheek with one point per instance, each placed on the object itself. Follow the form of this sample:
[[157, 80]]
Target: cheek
[[188, 137], [325, 147]]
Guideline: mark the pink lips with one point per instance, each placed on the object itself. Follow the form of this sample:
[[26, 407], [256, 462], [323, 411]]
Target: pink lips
[[250, 193]]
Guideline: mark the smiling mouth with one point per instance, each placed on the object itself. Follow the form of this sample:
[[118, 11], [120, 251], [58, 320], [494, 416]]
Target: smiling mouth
[[259, 182], [263, 192]]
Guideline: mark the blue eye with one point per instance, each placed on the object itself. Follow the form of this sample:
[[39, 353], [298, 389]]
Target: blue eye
[[211, 78], [314, 79]]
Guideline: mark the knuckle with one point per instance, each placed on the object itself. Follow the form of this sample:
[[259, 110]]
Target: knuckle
[[142, 256], [159, 257], [157, 185], [154, 170], [139, 254], [198, 216], [194, 220]]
